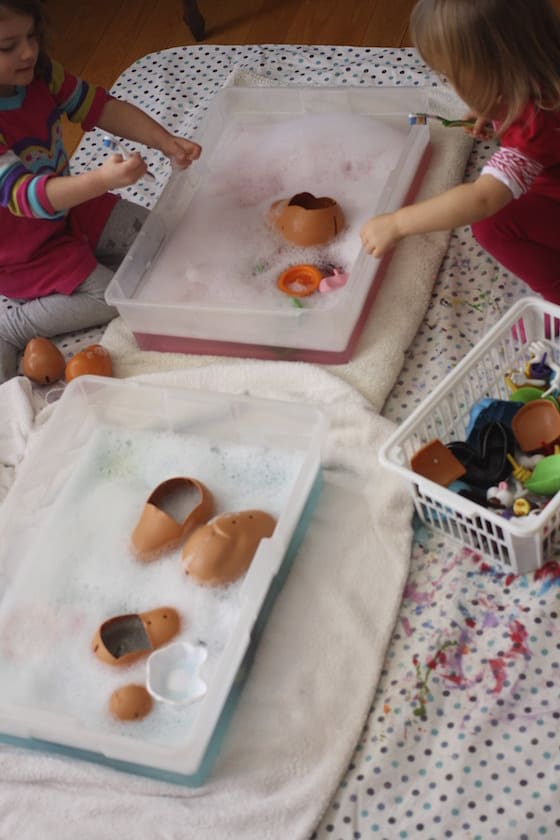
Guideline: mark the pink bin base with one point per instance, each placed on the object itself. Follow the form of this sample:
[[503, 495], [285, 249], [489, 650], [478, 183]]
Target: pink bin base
[[212, 347]]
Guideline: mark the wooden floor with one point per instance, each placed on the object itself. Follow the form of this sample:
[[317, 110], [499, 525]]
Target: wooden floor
[[98, 39]]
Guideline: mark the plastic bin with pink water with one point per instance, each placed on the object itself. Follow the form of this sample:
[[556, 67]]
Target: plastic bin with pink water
[[202, 274]]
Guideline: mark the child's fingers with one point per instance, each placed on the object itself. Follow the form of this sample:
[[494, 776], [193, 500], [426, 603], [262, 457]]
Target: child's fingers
[[183, 152], [135, 165], [193, 151], [481, 128], [121, 172], [188, 149], [482, 133]]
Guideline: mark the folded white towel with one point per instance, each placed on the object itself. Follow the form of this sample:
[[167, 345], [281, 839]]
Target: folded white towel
[[17, 413]]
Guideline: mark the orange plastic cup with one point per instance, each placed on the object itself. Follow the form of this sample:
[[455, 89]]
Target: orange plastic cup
[[300, 280]]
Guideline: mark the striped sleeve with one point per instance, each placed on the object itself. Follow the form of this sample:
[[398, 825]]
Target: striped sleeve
[[80, 101], [514, 169], [22, 192]]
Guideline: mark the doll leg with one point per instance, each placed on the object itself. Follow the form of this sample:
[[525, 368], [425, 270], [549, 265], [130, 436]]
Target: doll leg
[[524, 238], [20, 321]]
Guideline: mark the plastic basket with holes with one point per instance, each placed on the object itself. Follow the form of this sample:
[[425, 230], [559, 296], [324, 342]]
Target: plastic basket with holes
[[519, 544]]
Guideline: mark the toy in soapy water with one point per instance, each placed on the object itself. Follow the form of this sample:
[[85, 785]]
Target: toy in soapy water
[[306, 220], [222, 550], [130, 702], [172, 676], [123, 639], [300, 281], [173, 673], [216, 552], [172, 511], [333, 281]]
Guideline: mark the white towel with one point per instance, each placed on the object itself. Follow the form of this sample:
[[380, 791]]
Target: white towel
[[16, 413]]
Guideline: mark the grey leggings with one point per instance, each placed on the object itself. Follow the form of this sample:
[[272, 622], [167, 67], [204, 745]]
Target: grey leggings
[[55, 314]]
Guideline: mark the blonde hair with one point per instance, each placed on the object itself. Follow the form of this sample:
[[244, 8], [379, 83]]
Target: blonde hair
[[493, 51]]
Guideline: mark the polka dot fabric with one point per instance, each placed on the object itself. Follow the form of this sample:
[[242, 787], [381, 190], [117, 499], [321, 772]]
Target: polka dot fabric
[[462, 737]]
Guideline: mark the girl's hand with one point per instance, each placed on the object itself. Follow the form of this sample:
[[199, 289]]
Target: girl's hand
[[380, 234], [181, 151], [481, 130], [118, 172]]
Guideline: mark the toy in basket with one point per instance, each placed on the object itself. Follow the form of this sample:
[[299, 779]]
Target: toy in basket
[[492, 430]]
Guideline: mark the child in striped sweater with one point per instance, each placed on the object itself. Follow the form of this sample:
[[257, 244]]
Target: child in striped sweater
[[61, 235]]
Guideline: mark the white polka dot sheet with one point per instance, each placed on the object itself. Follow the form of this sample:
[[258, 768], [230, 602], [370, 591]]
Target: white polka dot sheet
[[462, 739]]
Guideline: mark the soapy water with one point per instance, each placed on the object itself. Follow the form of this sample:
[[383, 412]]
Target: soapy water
[[223, 251], [80, 571]]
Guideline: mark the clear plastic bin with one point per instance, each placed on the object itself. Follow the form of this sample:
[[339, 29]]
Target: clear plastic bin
[[264, 328], [66, 564], [520, 544]]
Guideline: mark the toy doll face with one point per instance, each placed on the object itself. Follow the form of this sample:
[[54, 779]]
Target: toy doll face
[[19, 50]]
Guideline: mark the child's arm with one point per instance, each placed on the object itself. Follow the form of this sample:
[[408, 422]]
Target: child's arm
[[461, 205], [66, 191], [126, 120], [93, 106]]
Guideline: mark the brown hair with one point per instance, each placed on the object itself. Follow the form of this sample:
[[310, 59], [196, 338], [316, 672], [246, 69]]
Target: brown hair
[[33, 8], [493, 51]]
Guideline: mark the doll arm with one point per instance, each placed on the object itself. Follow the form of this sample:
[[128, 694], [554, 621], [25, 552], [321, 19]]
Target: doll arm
[[461, 205], [126, 120]]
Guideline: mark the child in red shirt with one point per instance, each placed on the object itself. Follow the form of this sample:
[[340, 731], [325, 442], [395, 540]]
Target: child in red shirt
[[503, 59], [61, 235]]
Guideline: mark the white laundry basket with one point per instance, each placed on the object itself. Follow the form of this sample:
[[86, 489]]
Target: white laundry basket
[[520, 544]]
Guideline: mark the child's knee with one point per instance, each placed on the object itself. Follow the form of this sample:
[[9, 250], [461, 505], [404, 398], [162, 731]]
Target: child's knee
[[96, 283], [6, 315]]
